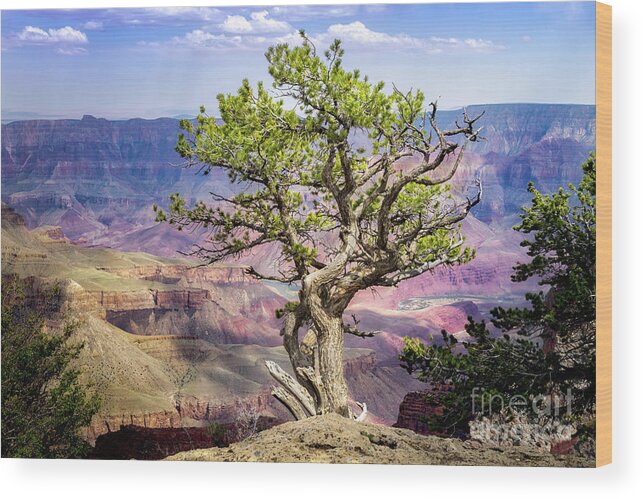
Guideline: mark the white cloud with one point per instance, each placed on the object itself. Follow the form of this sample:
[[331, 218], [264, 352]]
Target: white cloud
[[440, 44], [199, 39], [196, 38], [71, 50], [163, 16], [67, 34], [293, 38], [481, 45], [93, 26], [261, 23], [33, 34], [357, 32], [444, 41], [257, 23], [236, 24], [258, 32]]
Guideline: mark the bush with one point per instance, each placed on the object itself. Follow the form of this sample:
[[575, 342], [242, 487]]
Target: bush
[[44, 404]]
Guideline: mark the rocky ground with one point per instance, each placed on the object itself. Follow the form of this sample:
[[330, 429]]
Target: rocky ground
[[333, 439]]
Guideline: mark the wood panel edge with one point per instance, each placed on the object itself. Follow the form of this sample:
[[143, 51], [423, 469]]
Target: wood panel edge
[[604, 234]]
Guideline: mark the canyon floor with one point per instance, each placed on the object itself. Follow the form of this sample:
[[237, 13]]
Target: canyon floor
[[333, 439]]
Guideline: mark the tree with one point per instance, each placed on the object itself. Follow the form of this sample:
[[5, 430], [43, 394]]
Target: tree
[[563, 258], [552, 347], [345, 217], [502, 367], [44, 404]]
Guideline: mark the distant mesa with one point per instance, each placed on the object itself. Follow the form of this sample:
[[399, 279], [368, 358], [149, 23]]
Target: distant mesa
[[98, 180]]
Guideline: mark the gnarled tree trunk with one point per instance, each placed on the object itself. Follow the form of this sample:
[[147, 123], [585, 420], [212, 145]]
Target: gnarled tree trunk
[[317, 359], [330, 344]]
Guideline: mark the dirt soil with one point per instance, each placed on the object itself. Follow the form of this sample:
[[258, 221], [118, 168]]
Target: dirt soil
[[333, 439]]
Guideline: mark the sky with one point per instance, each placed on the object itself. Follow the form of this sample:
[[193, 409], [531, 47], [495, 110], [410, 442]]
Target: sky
[[152, 62]]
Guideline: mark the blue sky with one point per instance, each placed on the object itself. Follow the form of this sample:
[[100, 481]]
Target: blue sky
[[121, 63]]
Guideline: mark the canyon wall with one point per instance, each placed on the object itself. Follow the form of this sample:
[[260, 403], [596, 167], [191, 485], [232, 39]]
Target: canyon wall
[[98, 179]]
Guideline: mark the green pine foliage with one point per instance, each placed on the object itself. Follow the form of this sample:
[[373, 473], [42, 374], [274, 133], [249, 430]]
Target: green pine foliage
[[303, 178], [563, 259], [548, 348], [502, 367], [44, 404]]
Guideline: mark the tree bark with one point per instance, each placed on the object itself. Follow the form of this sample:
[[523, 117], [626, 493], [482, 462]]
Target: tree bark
[[320, 387], [297, 391], [330, 342], [292, 404], [323, 376]]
